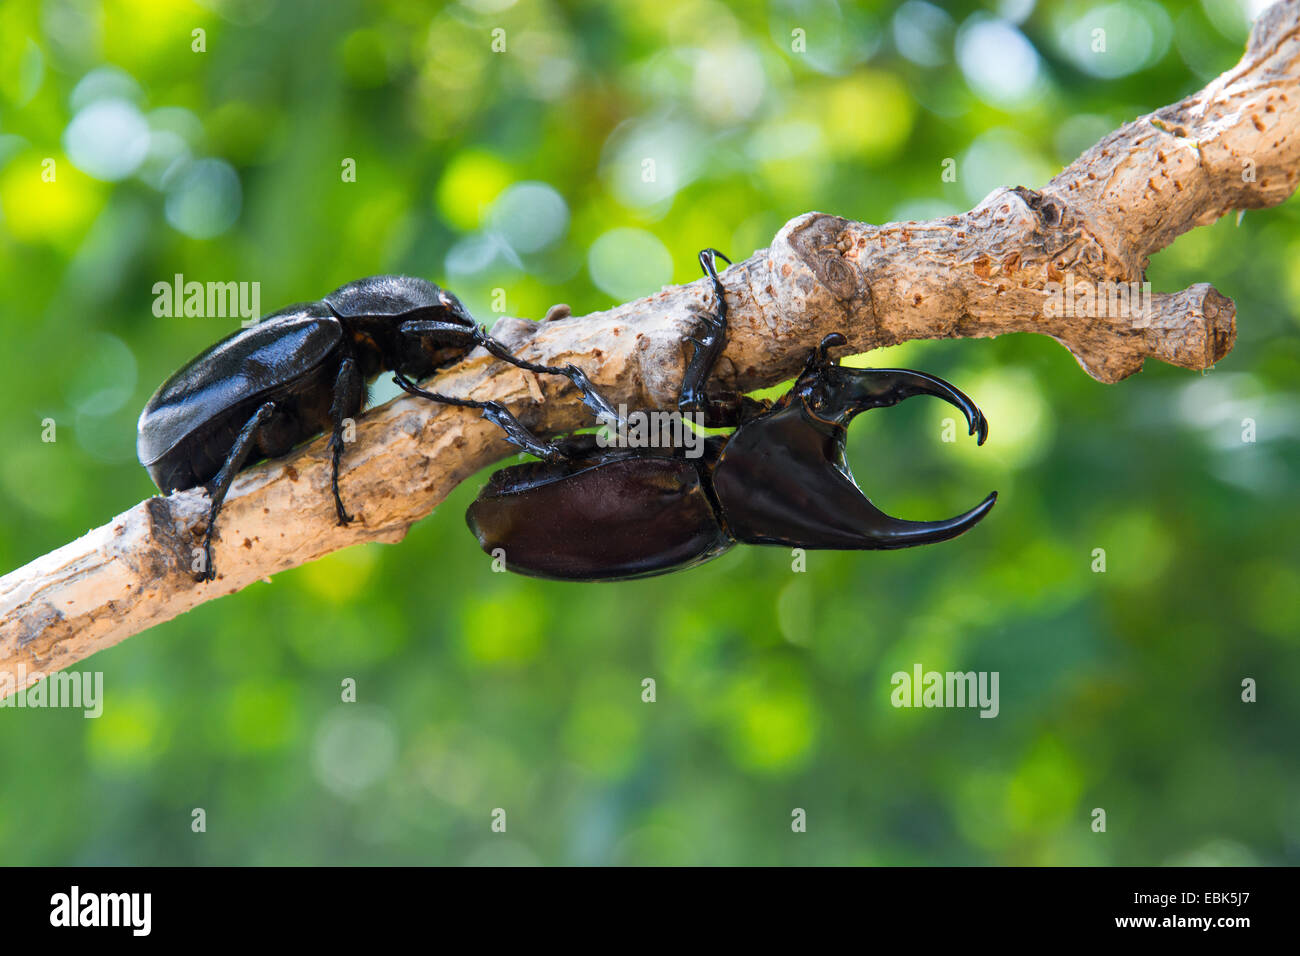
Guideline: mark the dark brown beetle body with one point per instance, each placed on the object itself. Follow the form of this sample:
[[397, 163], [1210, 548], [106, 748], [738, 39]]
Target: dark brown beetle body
[[590, 513], [601, 515]]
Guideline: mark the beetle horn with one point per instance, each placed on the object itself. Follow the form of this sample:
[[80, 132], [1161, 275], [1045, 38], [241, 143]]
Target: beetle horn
[[783, 478], [804, 496], [883, 532], [852, 391]]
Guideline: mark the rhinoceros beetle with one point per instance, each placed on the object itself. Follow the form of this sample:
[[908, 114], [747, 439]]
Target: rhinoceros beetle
[[302, 371], [591, 513]]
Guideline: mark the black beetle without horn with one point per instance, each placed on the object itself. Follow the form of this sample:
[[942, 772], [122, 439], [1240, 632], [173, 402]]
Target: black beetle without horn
[[302, 371]]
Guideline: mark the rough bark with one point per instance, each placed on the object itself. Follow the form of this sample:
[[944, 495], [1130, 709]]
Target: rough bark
[[1233, 145]]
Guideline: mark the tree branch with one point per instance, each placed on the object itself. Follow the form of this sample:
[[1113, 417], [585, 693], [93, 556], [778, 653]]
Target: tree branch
[[994, 270]]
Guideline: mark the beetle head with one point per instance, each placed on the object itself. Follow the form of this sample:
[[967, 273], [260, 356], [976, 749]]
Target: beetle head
[[415, 325], [783, 477], [435, 335]]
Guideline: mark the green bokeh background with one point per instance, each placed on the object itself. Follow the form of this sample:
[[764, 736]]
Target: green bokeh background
[[1119, 690]]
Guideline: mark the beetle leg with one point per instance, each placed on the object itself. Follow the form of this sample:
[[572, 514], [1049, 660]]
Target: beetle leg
[[494, 412], [411, 388], [346, 385], [591, 397], [819, 359], [709, 340], [219, 485], [457, 333], [600, 406], [518, 435]]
